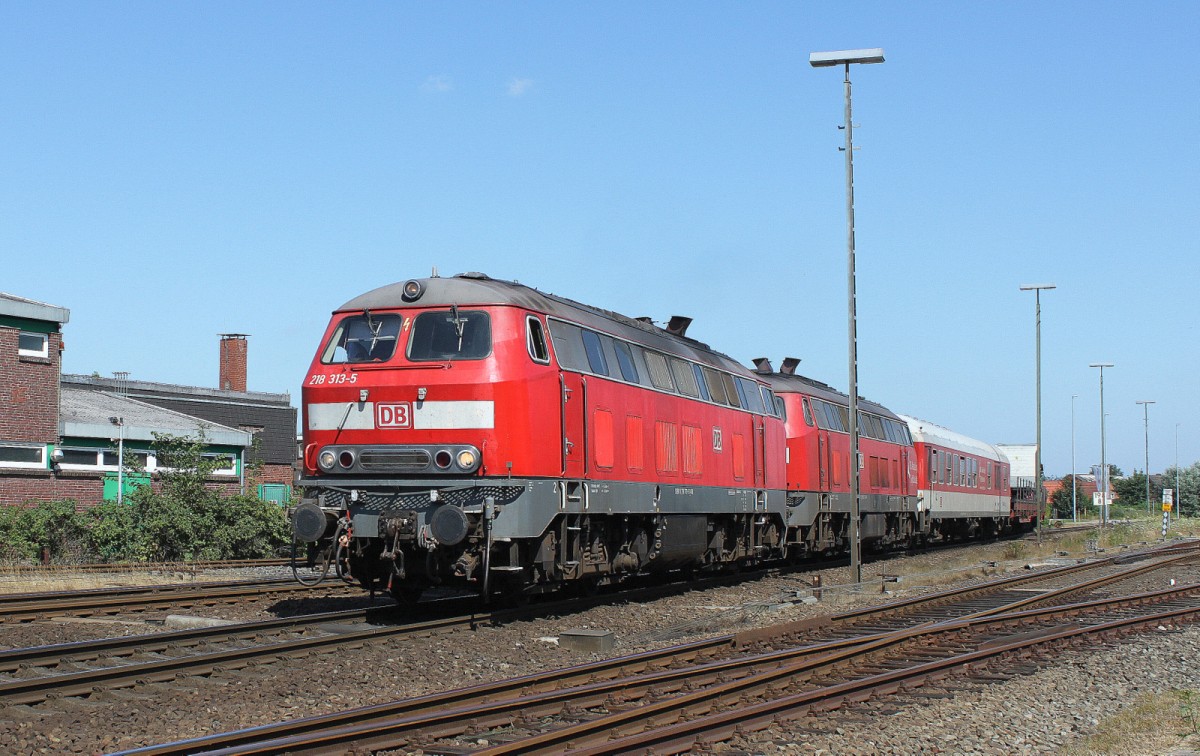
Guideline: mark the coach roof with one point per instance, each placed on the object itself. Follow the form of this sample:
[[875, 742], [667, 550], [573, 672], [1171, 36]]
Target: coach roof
[[478, 289], [782, 383]]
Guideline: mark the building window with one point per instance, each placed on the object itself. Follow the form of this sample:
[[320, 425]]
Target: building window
[[227, 463], [23, 455], [31, 344]]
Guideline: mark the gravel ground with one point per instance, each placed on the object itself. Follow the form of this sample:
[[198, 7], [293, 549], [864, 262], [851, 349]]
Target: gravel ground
[[1044, 712], [1012, 717]]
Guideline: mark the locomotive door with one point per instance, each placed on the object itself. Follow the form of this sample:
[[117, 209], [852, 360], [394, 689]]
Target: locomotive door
[[759, 451], [823, 467], [574, 430]]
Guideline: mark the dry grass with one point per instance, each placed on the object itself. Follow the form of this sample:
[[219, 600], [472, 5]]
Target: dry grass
[[1151, 725], [31, 582]]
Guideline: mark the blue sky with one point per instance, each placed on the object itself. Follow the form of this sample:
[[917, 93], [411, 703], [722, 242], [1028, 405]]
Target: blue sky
[[171, 171]]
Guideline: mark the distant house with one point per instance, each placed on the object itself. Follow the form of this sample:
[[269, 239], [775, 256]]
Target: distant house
[[64, 436], [1085, 486]]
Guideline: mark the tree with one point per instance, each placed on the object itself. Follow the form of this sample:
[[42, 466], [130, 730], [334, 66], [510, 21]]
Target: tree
[[1187, 499], [1130, 491], [1060, 502]]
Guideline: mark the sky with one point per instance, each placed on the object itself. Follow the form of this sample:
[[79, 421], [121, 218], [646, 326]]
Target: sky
[[173, 171]]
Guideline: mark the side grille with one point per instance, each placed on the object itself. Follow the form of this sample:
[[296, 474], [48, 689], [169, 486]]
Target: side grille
[[394, 460]]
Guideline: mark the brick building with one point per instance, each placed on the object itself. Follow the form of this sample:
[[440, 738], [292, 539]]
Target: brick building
[[64, 436], [30, 362]]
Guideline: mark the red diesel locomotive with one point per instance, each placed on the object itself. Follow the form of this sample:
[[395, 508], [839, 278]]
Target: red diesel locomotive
[[478, 433]]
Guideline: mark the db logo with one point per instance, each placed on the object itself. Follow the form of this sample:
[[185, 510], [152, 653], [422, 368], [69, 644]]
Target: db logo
[[393, 415]]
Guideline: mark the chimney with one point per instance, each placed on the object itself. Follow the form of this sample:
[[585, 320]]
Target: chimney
[[233, 361]]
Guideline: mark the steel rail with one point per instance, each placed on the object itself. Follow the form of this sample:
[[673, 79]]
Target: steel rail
[[606, 736], [407, 714], [142, 566], [453, 714], [89, 650], [30, 607], [962, 596], [36, 687], [35, 690]]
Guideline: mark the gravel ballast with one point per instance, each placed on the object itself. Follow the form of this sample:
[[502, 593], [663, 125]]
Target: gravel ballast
[[1040, 712]]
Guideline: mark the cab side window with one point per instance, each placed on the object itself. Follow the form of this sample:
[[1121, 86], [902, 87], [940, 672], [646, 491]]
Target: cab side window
[[535, 341]]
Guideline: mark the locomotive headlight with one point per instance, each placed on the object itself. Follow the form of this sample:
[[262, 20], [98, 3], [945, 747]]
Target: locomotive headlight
[[467, 459], [346, 459], [326, 460], [412, 291]]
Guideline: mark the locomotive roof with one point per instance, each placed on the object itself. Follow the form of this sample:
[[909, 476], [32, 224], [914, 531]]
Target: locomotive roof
[[924, 431], [478, 289], [782, 383]]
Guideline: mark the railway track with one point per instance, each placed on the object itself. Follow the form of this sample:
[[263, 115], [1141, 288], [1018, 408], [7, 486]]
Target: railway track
[[30, 607], [467, 715], [7, 569], [664, 716], [33, 675]]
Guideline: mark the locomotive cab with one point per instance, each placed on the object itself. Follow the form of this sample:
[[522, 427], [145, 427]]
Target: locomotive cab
[[402, 405]]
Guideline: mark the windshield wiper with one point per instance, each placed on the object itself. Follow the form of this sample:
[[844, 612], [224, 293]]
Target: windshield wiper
[[459, 324]]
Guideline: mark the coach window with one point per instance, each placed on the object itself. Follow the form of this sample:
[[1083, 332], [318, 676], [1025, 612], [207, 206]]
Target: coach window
[[363, 338], [768, 400], [625, 361], [826, 416], [750, 396], [699, 377], [568, 345], [595, 353], [639, 364], [864, 424], [716, 388], [660, 374], [731, 392], [685, 379], [448, 335], [535, 340], [837, 420]]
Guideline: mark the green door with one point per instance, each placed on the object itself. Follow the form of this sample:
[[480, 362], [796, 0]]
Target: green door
[[130, 482]]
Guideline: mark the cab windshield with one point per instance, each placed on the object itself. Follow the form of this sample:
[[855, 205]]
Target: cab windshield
[[446, 335], [363, 338]]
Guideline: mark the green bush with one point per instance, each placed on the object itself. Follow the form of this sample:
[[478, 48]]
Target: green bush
[[53, 526], [181, 518]]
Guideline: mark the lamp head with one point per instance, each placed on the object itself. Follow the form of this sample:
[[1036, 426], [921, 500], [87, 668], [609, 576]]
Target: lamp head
[[841, 57]]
